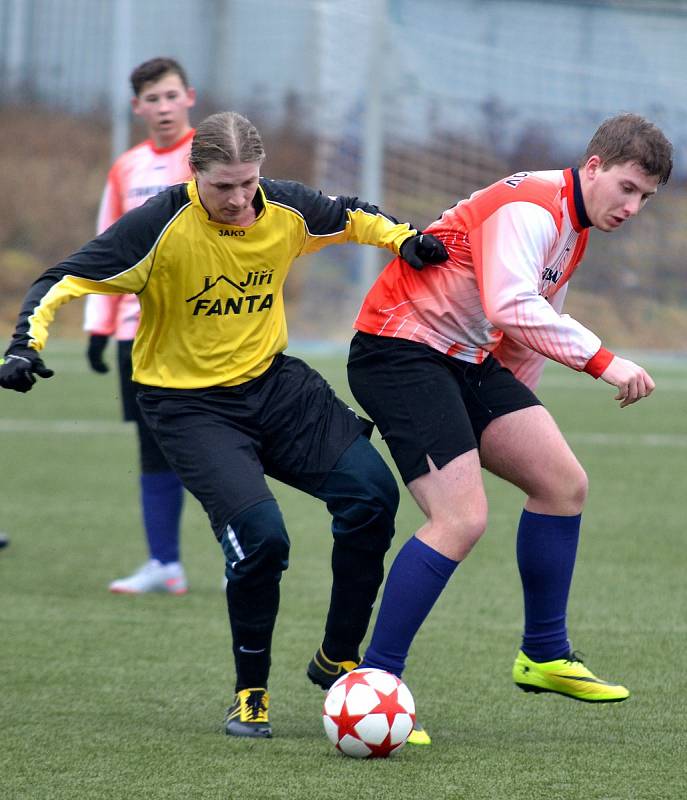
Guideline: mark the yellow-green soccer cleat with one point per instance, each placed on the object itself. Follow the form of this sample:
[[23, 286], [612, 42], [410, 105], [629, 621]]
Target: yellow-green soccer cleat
[[248, 715], [418, 736], [566, 676], [324, 672]]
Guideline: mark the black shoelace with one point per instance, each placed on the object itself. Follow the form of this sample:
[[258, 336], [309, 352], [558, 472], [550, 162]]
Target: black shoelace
[[256, 703], [575, 655]]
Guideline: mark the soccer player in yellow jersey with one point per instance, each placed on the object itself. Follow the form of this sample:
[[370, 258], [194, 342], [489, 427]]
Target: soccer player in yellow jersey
[[208, 260]]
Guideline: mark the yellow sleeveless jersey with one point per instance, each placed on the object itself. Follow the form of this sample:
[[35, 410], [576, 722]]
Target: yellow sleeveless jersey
[[212, 305]]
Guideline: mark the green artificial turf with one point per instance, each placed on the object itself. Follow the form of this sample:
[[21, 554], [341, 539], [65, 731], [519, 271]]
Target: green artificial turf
[[105, 696]]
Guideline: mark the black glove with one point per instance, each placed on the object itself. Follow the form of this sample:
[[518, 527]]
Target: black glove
[[19, 369], [96, 347], [421, 249]]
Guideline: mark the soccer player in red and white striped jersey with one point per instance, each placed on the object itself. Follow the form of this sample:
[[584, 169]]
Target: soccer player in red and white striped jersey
[[446, 360]]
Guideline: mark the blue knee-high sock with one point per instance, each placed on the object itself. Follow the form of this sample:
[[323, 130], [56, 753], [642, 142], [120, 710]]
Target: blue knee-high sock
[[546, 550], [416, 579], [162, 497]]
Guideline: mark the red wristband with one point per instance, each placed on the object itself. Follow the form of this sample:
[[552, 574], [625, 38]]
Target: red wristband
[[598, 362]]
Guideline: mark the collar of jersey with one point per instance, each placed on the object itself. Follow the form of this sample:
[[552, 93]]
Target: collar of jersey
[[575, 201], [178, 143]]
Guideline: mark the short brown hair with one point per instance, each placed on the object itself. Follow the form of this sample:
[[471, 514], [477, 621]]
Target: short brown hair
[[153, 70], [226, 137], [629, 137]]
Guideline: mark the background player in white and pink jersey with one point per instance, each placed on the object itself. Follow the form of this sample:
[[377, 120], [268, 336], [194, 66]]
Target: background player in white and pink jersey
[[162, 99], [445, 362]]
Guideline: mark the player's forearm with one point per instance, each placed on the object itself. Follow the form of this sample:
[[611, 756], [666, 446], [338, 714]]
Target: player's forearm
[[378, 230], [53, 289], [27, 327], [532, 322]]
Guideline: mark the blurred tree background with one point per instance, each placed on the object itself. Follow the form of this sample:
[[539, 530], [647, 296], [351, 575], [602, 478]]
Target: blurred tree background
[[411, 105]]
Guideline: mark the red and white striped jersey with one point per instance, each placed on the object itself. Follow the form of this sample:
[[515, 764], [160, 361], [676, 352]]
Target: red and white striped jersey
[[512, 249], [139, 173]]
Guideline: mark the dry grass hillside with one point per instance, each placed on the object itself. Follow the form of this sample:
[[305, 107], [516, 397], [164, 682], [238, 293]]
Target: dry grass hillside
[[54, 167]]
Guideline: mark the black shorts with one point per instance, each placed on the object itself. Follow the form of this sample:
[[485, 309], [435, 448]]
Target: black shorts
[[127, 388], [151, 458], [222, 441], [426, 403]]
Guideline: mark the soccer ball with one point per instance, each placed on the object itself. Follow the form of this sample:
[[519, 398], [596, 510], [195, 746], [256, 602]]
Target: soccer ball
[[368, 713]]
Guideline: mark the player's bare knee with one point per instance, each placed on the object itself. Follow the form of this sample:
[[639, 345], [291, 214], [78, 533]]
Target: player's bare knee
[[472, 529], [457, 533], [563, 492], [580, 488], [572, 489]]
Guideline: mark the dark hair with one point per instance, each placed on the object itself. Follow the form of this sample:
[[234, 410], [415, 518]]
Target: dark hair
[[226, 137], [153, 70], [629, 137]]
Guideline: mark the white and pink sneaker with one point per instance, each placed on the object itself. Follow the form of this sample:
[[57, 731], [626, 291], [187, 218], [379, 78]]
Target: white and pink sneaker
[[153, 577]]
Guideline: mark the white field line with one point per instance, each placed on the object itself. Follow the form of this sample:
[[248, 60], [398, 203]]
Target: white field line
[[96, 427], [629, 439], [578, 383]]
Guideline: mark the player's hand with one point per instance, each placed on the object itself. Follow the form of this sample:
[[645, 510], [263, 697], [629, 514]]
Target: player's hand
[[633, 382], [421, 249], [96, 347], [19, 369]]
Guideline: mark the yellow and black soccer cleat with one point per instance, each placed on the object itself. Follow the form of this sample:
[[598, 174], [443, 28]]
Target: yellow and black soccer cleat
[[324, 672], [566, 676], [248, 715]]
